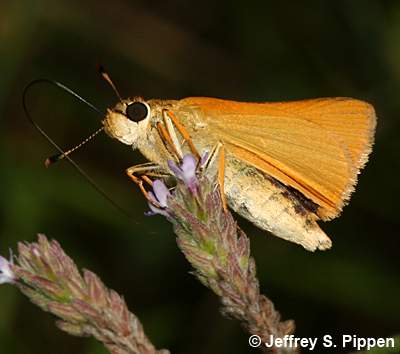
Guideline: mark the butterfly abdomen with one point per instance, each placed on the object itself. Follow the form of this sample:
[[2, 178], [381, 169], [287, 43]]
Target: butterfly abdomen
[[272, 206]]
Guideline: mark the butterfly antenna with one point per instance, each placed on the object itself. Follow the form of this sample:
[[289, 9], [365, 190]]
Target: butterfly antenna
[[106, 77], [60, 156], [64, 154]]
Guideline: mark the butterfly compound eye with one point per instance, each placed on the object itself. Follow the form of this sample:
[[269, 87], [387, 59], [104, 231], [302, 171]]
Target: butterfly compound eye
[[137, 111]]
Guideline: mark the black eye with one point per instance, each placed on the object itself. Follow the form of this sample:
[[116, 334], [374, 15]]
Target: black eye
[[137, 111]]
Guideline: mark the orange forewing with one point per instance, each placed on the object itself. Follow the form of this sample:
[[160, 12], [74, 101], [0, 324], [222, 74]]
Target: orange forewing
[[315, 146]]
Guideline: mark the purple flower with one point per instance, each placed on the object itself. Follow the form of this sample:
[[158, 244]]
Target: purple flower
[[159, 198], [6, 273], [186, 172]]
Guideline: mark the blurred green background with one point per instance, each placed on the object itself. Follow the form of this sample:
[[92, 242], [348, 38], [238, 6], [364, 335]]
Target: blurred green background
[[263, 51]]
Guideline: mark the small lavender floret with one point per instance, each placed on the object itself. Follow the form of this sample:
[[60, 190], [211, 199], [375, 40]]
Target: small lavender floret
[[6, 273], [186, 172], [159, 196]]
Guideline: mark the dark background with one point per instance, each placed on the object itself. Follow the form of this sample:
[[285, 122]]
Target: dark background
[[263, 50]]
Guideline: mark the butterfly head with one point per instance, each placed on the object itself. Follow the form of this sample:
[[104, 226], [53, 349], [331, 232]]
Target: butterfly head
[[127, 120]]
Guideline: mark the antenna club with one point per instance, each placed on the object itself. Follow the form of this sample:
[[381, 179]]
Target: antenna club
[[48, 162], [53, 159], [100, 68]]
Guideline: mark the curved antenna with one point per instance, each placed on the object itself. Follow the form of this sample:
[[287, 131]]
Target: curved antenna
[[62, 87], [52, 142]]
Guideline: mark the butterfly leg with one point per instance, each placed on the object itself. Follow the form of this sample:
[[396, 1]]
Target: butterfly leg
[[169, 118], [221, 175], [141, 174], [169, 141], [216, 159]]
